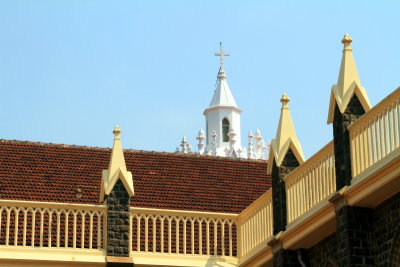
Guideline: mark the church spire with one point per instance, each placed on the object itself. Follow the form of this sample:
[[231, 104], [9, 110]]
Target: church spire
[[348, 83], [222, 94], [222, 115], [285, 139]]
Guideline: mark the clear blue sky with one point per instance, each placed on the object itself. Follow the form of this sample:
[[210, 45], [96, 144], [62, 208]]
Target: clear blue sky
[[71, 70]]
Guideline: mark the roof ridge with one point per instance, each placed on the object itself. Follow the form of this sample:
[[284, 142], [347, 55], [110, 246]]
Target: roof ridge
[[126, 150], [51, 144]]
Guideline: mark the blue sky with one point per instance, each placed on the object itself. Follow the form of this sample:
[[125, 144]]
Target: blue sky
[[71, 70]]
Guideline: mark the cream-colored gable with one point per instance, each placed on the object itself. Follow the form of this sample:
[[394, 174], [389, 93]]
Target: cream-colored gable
[[116, 169], [348, 83], [285, 138]]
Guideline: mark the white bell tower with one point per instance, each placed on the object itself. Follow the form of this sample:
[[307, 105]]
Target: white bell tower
[[223, 117]]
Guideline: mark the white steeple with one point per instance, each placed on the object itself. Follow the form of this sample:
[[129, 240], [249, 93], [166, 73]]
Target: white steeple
[[348, 83], [222, 94], [285, 138], [116, 169], [223, 114]]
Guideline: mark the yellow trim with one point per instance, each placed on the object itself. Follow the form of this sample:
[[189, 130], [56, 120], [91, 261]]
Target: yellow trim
[[311, 227], [326, 150], [56, 205], [165, 259], [378, 108], [256, 203], [52, 255], [213, 215]]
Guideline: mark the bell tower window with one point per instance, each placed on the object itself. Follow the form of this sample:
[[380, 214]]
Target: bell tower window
[[225, 130]]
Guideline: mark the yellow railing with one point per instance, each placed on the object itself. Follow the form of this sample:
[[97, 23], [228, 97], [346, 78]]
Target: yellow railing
[[310, 183], [255, 224], [183, 232], [53, 225], [376, 134]]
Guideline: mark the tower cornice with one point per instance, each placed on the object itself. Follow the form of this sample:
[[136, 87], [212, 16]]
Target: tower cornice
[[222, 107]]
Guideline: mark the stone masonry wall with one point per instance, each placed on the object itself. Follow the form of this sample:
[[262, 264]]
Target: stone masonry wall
[[353, 111], [324, 253], [289, 163], [371, 236], [386, 226], [354, 235], [286, 258], [118, 221]]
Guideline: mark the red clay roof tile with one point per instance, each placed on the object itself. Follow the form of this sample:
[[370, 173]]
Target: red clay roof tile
[[48, 172]]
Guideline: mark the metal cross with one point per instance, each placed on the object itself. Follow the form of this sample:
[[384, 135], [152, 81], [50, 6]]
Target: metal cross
[[221, 54]]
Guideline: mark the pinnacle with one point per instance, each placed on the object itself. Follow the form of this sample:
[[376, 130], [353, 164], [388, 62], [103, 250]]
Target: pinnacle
[[347, 39], [117, 130], [285, 98]]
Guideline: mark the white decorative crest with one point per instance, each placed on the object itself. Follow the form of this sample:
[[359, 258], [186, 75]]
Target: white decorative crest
[[250, 152], [200, 137], [186, 148], [214, 144]]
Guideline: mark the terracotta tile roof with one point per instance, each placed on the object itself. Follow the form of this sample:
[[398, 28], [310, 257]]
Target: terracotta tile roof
[[35, 171]]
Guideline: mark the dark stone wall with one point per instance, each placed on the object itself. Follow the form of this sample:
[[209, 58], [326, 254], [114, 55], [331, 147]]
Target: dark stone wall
[[118, 221], [387, 232], [289, 163], [324, 253], [286, 258], [354, 235], [341, 136], [119, 264]]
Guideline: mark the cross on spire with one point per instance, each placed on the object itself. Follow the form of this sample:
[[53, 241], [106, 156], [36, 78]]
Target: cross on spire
[[221, 54]]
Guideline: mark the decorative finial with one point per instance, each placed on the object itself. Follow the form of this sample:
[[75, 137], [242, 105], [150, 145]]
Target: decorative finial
[[185, 145], [285, 99], [201, 138], [214, 144], [250, 152], [258, 135], [221, 54], [117, 130], [201, 134], [232, 135], [347, 39]]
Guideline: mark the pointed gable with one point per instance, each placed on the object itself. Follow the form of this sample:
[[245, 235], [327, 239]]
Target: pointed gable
[[116, 169], [348, 83], [285, 139]]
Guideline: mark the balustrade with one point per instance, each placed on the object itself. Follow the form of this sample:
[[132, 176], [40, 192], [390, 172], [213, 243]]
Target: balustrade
[[310, 183], [255, 224], [376, 134], [183, 232], [53, 225]]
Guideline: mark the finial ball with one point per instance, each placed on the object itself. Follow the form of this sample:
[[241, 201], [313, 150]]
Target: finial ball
[[347, 39], [117, 130], [285, 98]]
